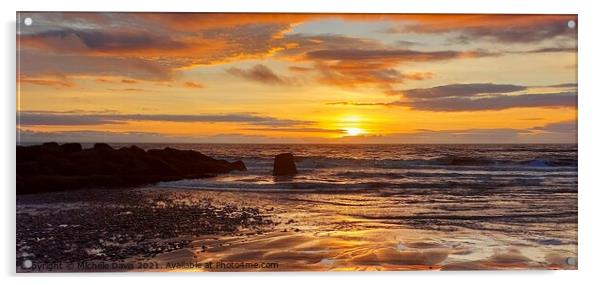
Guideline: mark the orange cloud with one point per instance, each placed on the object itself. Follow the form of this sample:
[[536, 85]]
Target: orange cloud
[[180, 41], [55, 80], [192, 84]]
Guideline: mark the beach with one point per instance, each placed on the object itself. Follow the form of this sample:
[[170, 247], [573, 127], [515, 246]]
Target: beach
[[426, 207]]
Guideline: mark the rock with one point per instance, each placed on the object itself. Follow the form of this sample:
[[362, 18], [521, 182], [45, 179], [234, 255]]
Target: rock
[[102, 146], [71, 147], [53, 167], [239, 165], [284, 164], [50, 145]]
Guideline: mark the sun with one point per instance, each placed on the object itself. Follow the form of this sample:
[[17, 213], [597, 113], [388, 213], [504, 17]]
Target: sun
[[354, 131]]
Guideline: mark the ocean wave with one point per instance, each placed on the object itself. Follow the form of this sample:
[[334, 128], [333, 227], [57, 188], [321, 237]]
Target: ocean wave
[[448, 160], [452, 187]]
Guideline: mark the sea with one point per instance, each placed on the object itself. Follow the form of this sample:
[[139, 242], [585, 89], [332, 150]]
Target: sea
[[465, 206], [456, 170]]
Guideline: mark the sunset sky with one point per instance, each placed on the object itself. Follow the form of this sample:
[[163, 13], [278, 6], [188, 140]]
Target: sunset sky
[[296, 78]]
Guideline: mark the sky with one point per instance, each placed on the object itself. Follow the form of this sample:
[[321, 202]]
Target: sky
[[296, 78]]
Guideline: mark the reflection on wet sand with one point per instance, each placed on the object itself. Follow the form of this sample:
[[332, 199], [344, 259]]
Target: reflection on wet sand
[[324, 232], [361, 250]]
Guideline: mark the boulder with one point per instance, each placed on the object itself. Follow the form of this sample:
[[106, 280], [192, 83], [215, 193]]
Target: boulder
[[239, 165], [71, 147], [102, 146], [284, 164]]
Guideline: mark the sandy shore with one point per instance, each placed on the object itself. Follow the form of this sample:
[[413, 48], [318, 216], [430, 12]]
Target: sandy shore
[[167, 229]]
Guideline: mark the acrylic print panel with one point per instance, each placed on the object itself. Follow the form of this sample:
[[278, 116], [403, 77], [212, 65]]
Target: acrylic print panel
[[295, 142]]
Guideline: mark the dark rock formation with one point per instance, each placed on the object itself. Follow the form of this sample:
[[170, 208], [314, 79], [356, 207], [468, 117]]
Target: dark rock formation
[[239, 165], [53, 167], [284, 164]]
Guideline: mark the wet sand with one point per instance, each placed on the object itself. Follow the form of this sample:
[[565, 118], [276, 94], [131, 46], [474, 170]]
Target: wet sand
[[168, 229]]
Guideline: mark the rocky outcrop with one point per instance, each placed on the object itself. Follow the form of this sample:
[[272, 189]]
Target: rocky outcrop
[[53, 167], [284, 164]]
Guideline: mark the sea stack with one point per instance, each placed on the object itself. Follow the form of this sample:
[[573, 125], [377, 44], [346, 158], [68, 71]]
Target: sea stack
[[284, 164]]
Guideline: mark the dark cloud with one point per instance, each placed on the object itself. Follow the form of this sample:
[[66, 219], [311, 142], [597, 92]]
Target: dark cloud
[[51, 119], [29, 136], [493, 102], [461, 90], [559, 127], [519, 34], [497, 28], [35, 65], [475, 97], [298, 130], [70, 119], [259, 73], [90, 41], [553, 49], [396, 55], [564, 85], [480, 96]]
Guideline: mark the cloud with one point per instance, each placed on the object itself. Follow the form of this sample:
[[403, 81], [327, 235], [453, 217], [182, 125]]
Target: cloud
[[120, 44], [356, 67], [558, 127], [557, 132], [496, 28], [494, 102], [127, 89], [85, 41], [158, 46], [479, 97], [192, 84], [71, 119], [564, 85], [461, 90], [299, 130], [30, 136], [300, 68], [54, 80], [345, 103], [259, 73], [397, 55], [52, 119], [40, 64], [553, 49], [350, 62], [475, 97]]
